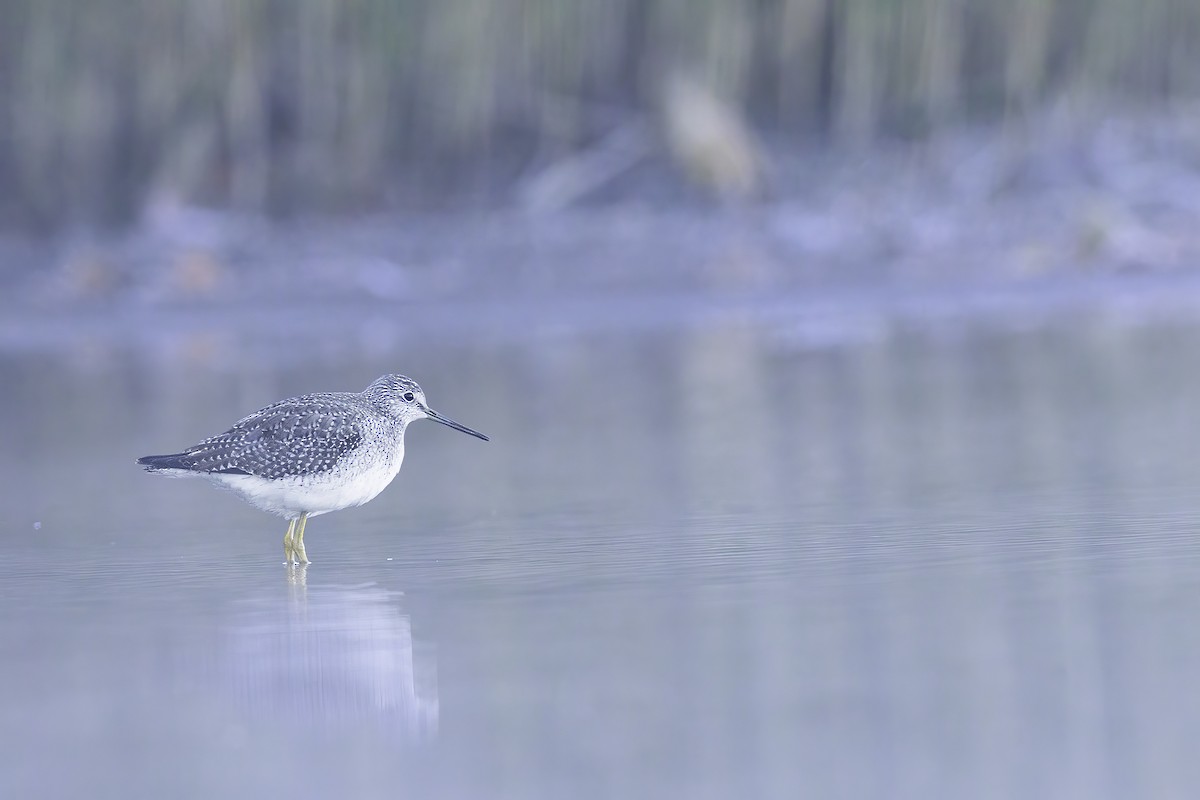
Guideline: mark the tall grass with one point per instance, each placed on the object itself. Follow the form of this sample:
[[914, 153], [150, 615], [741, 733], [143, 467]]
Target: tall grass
[[262, 104]]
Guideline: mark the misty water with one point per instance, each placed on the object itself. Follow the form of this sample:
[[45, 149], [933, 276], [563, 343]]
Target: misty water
[[712, 561]]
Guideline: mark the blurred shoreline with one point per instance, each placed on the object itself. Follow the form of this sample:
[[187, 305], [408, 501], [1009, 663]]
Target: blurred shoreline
[[270, 106], [1020, 214]]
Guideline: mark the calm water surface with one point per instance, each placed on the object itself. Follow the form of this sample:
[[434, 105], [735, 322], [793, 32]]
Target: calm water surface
[[693, 564]]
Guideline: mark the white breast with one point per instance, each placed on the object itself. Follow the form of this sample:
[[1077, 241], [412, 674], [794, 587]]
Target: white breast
[[353, 483]]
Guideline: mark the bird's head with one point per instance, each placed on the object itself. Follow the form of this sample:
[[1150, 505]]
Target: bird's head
[[403, 399]]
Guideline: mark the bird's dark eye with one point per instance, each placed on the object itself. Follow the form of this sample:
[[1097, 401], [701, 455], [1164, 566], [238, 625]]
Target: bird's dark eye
[[408, 397]]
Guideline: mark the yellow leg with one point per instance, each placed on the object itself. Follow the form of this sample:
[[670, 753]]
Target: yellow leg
[[287, 543], [298, 541]]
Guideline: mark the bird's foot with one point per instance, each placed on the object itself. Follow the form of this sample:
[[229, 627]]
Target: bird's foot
[[297, 576]]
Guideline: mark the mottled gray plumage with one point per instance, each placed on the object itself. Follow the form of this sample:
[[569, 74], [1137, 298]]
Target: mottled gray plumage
[[301, 436], [312, 454]]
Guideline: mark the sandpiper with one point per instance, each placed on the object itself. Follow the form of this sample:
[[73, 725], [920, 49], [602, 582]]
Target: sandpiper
[[312, 454]]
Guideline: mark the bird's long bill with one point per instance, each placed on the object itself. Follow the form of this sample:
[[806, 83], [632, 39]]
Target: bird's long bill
[[436, 417]]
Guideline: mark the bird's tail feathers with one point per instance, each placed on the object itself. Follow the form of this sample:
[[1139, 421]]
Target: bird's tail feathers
[[165, 462]]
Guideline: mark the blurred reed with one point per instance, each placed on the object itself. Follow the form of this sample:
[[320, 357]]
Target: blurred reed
[[270, 104]]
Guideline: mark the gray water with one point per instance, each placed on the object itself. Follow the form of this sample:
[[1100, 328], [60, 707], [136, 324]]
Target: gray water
[[705, 563]]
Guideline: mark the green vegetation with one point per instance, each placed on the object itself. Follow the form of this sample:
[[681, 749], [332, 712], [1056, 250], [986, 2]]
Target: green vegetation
[[269, 103]]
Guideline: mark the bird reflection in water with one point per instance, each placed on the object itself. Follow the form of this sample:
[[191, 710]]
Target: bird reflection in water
[[332, 657]]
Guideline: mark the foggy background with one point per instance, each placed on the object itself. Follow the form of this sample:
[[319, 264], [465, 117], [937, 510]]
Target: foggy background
[[216, 153]]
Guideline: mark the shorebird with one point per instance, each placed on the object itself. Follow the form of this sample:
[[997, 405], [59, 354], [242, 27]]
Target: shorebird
[[312, 454]]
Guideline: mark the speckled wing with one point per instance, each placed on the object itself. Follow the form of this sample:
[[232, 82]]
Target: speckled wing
[[301, 436]]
